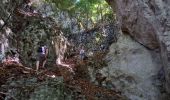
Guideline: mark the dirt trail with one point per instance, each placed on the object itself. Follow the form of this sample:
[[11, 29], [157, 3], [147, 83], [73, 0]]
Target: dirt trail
[[84, 87], [72, 81]]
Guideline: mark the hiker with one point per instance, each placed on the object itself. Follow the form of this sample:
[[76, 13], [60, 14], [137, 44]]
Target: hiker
[[42, 56], [82, 53]]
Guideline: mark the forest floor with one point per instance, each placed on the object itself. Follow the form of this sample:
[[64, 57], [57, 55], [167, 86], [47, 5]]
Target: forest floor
[[71, 75]]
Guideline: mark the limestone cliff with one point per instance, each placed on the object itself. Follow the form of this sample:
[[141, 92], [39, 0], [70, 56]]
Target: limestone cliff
[[148, 22], [133, 69]]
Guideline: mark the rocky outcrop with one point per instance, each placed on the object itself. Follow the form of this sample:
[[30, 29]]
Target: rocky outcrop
[[148, 22], [133, 69]]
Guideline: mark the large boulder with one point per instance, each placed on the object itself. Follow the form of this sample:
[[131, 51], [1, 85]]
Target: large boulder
[[148, 22], [133, 69]]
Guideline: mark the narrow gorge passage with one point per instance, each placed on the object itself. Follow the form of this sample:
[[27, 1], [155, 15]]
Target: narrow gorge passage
[[84, 50]]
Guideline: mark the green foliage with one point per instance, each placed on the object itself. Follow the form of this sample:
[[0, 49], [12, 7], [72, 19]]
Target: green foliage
[[84, 10], [94, 9], [63, 4]]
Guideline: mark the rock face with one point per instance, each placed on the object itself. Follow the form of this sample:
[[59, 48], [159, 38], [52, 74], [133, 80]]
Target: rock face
[[148, 22], [133, 69]]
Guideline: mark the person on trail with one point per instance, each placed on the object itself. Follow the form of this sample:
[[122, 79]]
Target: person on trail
[[42, 56], [82, 53]]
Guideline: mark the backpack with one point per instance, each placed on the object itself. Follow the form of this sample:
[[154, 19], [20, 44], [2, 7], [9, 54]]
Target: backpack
[[39, 50]]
